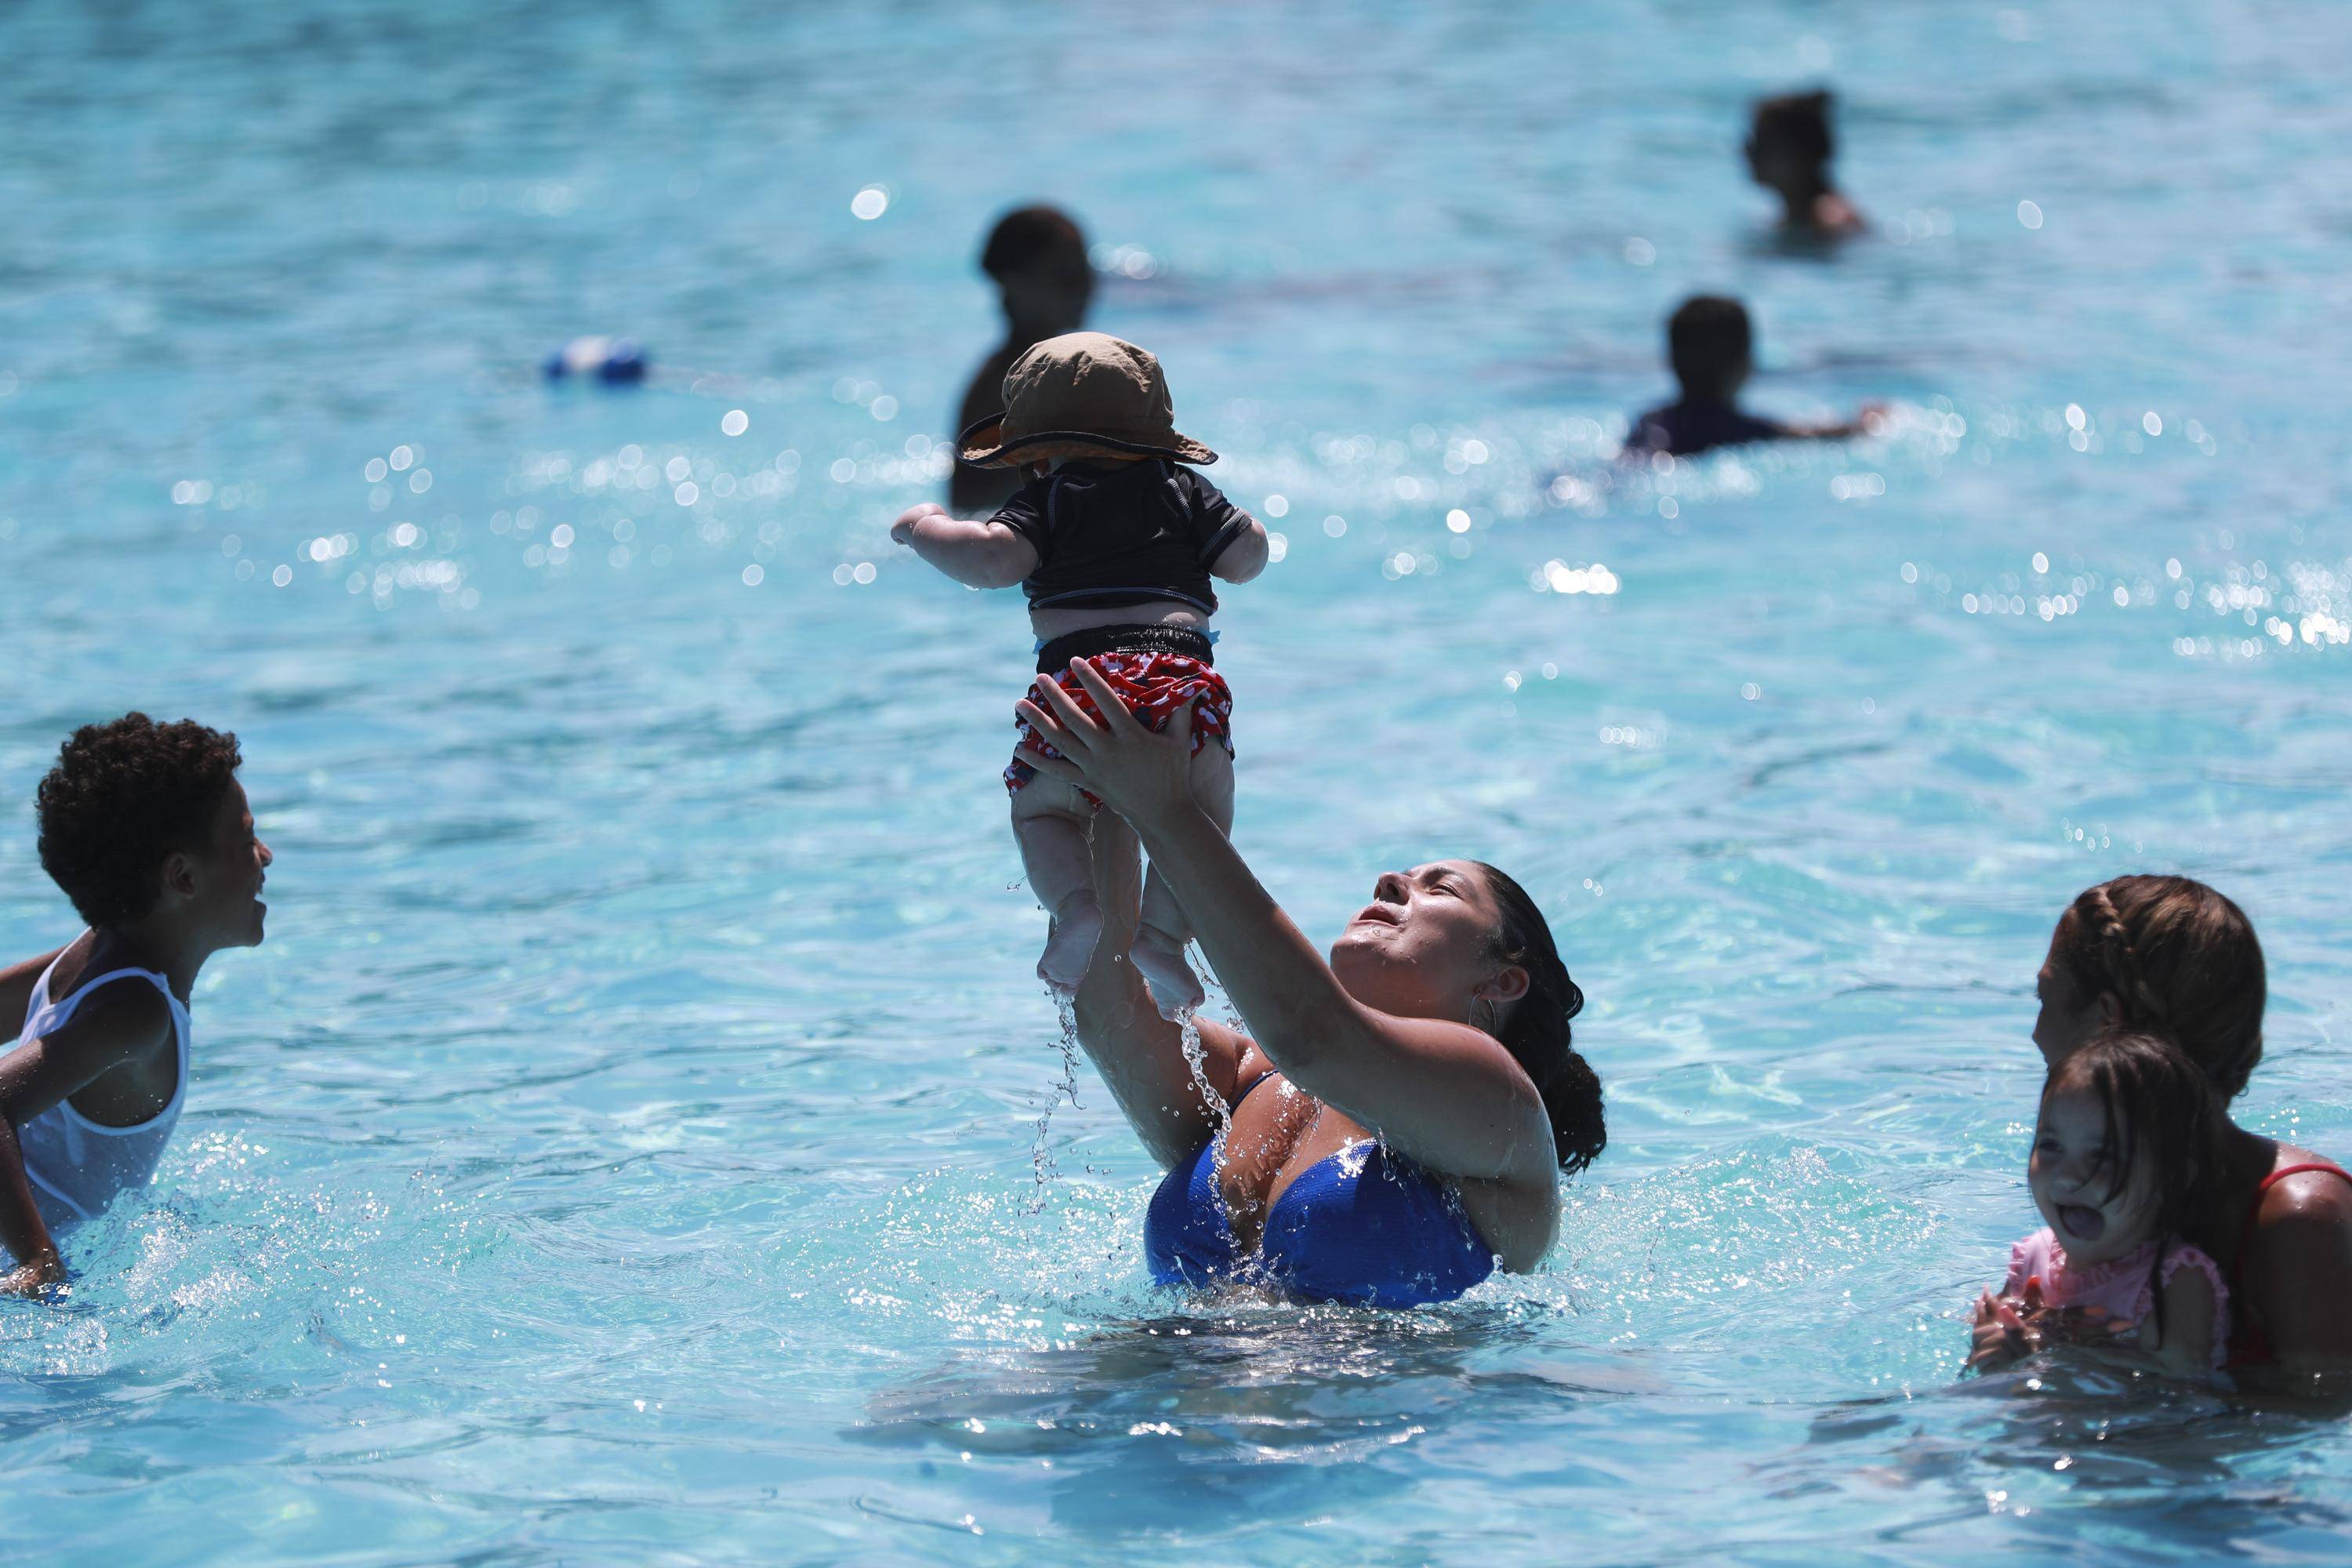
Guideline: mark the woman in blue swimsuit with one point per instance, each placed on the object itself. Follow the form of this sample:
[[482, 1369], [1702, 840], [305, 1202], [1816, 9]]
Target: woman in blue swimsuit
[[1399, 1115]]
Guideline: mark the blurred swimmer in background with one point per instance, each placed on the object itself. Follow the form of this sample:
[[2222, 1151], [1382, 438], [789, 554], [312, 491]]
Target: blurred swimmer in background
[[1711, 345], [1789, 152], [1037, 257]]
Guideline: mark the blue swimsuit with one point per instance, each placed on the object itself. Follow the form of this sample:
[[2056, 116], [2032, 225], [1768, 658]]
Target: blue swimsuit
[[1361, 1225]]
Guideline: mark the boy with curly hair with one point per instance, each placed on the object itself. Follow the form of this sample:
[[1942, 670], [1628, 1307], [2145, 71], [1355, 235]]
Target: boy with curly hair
[[146, 829]]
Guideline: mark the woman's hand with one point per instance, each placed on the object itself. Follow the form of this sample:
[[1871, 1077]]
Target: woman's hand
[[1144, 776], [30, 1279]]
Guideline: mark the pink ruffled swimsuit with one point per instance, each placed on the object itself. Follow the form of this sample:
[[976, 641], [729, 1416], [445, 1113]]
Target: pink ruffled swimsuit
[[2125, 1287]]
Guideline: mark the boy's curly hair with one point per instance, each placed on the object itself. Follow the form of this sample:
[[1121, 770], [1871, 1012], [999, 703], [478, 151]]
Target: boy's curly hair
[[122, 796]]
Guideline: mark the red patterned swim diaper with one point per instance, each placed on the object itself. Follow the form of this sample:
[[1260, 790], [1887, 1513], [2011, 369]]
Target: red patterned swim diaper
[[1152, 685]]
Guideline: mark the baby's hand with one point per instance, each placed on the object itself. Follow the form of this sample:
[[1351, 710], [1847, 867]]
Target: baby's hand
[[903, 531]]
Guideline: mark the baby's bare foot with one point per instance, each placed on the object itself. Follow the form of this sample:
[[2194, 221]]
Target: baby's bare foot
[[1071, 942], [1160, 957]]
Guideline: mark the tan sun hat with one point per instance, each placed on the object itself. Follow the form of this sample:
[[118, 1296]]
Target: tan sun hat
[[1082, 395]]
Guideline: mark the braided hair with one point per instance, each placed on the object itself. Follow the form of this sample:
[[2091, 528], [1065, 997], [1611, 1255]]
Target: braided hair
[[2180, 959], [1536, 1030]]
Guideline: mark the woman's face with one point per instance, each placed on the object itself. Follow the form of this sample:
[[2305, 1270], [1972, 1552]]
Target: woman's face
[[1424, 946], [2067, 1019]]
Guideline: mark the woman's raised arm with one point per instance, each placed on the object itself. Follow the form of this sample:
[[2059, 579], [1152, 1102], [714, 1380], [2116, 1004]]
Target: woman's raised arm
[[1139, 1053]]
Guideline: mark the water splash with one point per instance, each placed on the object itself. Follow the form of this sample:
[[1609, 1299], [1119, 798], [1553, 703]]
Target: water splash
[[1043, 1165], [1196, 1060]]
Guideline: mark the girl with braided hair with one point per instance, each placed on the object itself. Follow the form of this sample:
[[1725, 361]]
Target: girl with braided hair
[[2172, 957]]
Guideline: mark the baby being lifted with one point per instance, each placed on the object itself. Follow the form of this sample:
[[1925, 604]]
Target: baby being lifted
[[1115, 541]]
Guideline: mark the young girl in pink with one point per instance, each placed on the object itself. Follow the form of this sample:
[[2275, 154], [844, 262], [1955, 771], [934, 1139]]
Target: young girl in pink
[[2126, 1125]]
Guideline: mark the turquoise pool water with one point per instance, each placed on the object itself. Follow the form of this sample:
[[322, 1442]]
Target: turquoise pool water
[[640, 1139]]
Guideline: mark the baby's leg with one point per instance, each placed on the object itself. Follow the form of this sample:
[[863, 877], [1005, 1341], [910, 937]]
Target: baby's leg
[[1159, 939], [1051, 821]]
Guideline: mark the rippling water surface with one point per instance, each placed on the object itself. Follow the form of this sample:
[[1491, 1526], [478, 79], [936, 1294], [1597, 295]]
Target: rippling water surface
[[627, 1146]]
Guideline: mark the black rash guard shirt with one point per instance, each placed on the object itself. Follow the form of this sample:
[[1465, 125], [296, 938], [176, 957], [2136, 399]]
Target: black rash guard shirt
[[1122, 534]]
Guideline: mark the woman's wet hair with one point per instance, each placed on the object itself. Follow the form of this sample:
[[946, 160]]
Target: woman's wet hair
[[1536, 1031], [123, 796], [1710, 344], [2180, 959], [1799, 122], [1027, 238], [2157, 1107]]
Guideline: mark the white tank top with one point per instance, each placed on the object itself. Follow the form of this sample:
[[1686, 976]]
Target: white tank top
[[77, 1166]]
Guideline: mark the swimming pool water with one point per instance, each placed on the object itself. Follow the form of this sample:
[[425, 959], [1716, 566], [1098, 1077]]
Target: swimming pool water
[[627, 1147]]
